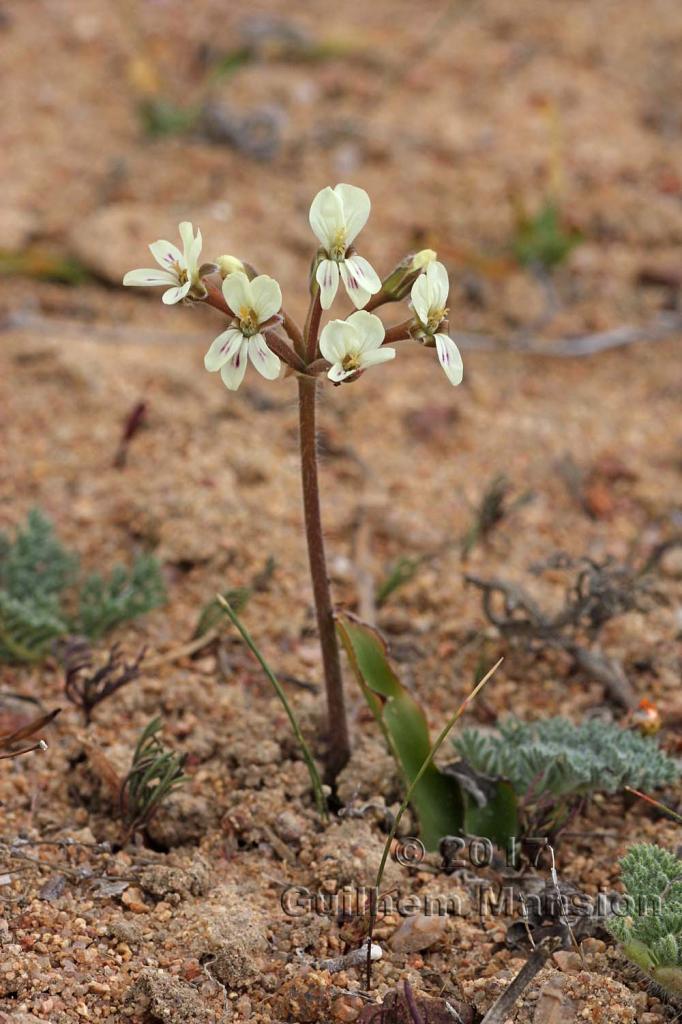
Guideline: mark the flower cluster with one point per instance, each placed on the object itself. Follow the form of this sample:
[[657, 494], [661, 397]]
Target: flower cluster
[[258, 330]]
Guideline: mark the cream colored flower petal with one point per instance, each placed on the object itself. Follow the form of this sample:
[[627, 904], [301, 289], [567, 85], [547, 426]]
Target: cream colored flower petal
[[265, 361], [439, 285], [237, 292], [421, 298], [338, 338], [369, 330], [194, 253], [326, 216], [450, 358], [365, 273], [267, 297], [354, 285], [187, 236], [149, 278], [233, 372], [222, 349], [327, 277], [377, 355], [337, 373], [174, 295], [356, 207], [166, 254]]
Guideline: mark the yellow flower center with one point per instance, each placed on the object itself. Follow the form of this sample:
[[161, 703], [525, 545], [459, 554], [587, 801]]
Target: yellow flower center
[[248, 321], [436, 317], [180, 273], [351, 361], [338, 246]]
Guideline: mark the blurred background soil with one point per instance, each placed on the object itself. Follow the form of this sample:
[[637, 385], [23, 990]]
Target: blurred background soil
[[464, 121]]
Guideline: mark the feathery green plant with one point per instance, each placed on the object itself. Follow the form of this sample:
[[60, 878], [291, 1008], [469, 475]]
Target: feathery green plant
[[27, 631], [553, 758], [39, 585], [35, 567], [651, 933], [126, 594]]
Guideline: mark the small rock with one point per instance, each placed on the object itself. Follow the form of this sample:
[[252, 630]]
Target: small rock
[[568, 962], [592, 945], [233, 966], [306, 998], [166, 999], [159, 881], [132, 898], [128, 932], [418, 932], [554, 1007], [290, 827], [347, 1008], [183, 818]]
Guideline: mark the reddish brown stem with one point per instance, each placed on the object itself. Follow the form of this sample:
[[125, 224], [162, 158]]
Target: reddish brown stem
[[400, 332], [380, 299], [215, 297], [279, 346], [339, 744], [312, 328], [294, 332], [319, 366]]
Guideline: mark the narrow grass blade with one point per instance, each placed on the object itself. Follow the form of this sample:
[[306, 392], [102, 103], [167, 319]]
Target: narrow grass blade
[[663, 808], [305, 750]]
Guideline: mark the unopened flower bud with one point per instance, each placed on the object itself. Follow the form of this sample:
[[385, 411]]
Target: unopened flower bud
[[399, 282], [421, 259], [230, 265]]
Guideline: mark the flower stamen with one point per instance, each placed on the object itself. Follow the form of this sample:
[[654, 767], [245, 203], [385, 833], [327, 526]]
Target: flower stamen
[[435, 319], [248, 321], [337, 249], [351, 361]]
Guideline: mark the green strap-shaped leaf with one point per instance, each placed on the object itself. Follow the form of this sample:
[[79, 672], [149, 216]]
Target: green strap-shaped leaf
[[437, 798]]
